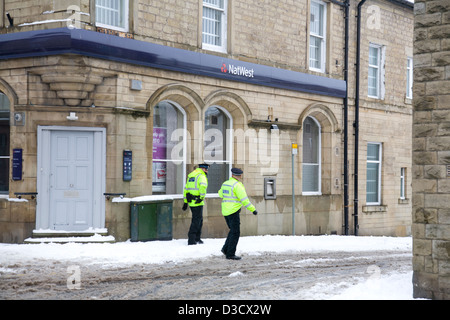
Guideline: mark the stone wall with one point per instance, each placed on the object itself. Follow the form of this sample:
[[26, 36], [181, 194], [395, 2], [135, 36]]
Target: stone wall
[[431, 150]]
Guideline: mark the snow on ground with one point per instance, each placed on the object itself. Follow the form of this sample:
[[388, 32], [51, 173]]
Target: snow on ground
[[391, 287], [378, 286], [176, 250]]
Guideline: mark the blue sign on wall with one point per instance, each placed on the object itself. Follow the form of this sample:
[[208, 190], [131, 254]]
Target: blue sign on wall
[[127, 165], [17, 164]]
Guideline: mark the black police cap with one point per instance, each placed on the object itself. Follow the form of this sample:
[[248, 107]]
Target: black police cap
[[237, 171]]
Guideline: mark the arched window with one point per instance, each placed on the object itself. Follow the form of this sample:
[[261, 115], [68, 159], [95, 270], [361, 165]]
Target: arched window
[[217, 146], [311, 178], [4, 143], [169, 145]]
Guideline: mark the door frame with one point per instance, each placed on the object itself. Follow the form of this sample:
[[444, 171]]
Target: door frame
[[43, 175]]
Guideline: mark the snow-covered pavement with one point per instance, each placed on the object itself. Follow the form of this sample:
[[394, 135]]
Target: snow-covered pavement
[[375, 267]]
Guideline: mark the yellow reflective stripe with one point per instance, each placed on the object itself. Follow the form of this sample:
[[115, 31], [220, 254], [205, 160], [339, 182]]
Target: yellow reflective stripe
[[231, 185], [228, 197], [195, 182]]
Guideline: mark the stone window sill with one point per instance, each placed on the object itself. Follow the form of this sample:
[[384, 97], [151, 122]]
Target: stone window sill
[[374, 209]]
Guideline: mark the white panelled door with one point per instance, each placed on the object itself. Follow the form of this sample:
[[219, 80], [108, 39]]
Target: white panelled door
[[71, 179]]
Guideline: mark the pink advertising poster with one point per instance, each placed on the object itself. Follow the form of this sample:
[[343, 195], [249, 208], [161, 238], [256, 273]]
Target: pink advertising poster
[[159, 152]]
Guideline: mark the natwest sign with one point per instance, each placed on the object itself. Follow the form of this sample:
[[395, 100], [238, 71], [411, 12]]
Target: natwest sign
[[49, 42], [237, 70]]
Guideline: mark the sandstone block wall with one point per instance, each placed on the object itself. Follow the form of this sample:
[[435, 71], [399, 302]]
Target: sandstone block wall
[[431, 150]]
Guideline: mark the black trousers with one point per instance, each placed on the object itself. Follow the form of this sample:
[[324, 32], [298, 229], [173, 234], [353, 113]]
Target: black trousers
[[234, 223], [195, 230]]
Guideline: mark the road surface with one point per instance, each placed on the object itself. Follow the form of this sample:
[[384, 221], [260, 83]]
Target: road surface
[[271, 276]]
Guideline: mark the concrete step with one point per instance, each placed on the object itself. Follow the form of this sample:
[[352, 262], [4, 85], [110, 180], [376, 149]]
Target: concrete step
[[56, 236], [91, 239]]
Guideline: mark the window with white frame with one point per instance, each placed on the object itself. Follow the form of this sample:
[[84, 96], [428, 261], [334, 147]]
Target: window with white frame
[[317, 38], [402, 183], [214, 34], [4, 143], [374, 76], [311, 167], [112, 14], [169, 148], [409, 78], [217, 146], [373, 178]]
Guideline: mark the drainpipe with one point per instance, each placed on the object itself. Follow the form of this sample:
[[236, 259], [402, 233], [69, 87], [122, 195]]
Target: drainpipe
[[356, 123], [346, 6], [346, 17]]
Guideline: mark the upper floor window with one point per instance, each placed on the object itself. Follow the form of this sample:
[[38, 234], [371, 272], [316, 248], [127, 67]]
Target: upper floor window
[[409, 78], [317, 39], [4, 143], [215, 25], [376, 72], [112, 14], [311, 177]]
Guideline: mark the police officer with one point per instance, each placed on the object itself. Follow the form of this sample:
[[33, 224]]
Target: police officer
[[194, 194], [234, 197]]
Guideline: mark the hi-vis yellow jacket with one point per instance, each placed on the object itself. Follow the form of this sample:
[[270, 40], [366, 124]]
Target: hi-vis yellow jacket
[[234, 197], [196, 185]]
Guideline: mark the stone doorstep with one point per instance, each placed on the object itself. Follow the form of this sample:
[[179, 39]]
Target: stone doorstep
[[89, 236], [61, 240]]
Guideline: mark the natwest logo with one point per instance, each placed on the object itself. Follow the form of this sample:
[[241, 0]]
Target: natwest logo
[[238, 70], [224, 68]]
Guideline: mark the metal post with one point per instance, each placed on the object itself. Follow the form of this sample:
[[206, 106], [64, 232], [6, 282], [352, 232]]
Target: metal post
[[293, 197], [294, 152]]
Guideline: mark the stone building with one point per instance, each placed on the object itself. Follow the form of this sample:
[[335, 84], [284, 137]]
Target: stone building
[[431, 150], [88, 85]]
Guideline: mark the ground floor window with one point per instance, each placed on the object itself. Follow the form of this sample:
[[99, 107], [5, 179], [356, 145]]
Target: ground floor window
[[169, 138], [4, 143], [373, 180], [217, 147], [311, 177], [402, 183]]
